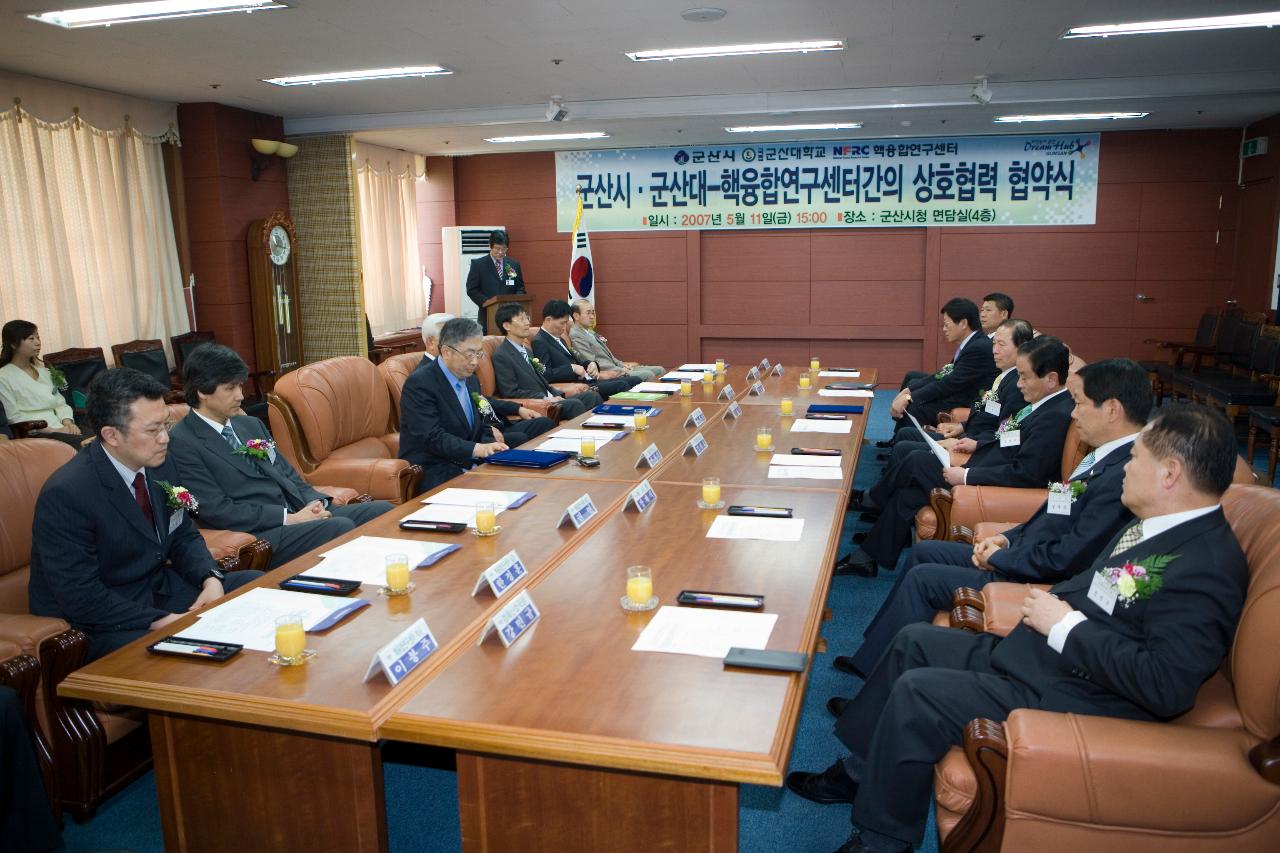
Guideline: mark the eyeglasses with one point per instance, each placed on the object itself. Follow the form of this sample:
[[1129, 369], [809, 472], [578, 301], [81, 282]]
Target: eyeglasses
[[468, 354]]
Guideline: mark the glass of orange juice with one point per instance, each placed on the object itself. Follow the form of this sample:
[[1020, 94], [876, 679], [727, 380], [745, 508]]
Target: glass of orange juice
[[805, 382], [291, 641], [587, 447], [639, 589], [710, 493], [719, 365], [640, 420], [815, 363], [686, 388], [397, 575], [786, 406], [764, 439], [486, 520], [708, 377]]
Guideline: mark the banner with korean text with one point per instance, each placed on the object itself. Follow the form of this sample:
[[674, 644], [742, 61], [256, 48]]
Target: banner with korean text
[[964, 180]]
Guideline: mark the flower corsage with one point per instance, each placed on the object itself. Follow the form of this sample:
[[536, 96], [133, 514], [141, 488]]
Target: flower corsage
[[482, 405], [178, 497], [57, 377], [1074, 489], [1140, 580], [1009, 424], [946, 369], [537, 365], [509, 271], [257, 448]]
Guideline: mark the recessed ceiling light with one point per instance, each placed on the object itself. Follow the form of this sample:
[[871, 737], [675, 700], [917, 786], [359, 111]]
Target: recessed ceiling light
[[769, 128], [356, 76], [1178, 25], [703, 14], [1067, 117], [549, 137], [737, 50], [153, 10]]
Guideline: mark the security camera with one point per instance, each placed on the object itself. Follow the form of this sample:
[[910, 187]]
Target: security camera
[[556, 110], [981, 91]]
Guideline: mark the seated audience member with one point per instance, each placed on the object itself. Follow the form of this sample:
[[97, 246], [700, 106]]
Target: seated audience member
[[592, 345], [446, 423], [563, 364], [1030, 455], [113, 548], [1113, 400], [994, 310], [230, 464], [1106, 642], [956, 384], [517, 373], [431, 327], [27, 390]]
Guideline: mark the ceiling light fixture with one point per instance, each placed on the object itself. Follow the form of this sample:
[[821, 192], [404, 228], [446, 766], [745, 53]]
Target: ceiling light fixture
[[736, 50], [1067, 117], [358, 76], [1178, 25], [770, 128], [549, 137], [153, 10]]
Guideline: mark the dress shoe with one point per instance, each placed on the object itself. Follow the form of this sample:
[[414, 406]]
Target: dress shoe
[[845, 663], [859, 537], [832, 785], [855, 844], [882, 457], [864, 567], [869, 515], [883, 445], [836, 705]]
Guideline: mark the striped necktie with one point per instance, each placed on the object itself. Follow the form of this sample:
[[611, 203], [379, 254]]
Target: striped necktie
[[230, 435], [1131, 536], [1085, 464]]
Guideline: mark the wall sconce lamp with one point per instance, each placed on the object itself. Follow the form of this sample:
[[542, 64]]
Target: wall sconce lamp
[[265, 148]]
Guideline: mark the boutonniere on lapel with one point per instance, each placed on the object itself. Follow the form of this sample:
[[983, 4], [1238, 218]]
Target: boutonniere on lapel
[[946, 368], [537, 365], [599, 337], [178, 497], [57, 377], [1073, 489], [482, 405], [1140, 580], [987, 396], [258, 448], [1011, 424], [508, 271]]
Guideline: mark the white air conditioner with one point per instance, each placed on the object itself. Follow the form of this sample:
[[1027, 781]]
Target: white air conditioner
[[460, 246]]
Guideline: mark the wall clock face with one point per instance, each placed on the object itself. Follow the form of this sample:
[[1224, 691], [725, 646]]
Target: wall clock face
[[278, 242]]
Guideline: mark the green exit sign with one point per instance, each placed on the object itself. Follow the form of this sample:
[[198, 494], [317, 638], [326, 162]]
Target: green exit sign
[[1253, 147]]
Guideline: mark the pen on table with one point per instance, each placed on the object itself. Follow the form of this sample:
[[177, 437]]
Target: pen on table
[[316, 584], [764, 510], [723, 599]]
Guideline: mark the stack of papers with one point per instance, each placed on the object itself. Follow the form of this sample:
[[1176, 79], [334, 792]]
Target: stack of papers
[[250, 619], [827, 392], [755, 527], [570, 440], [815, 425], [786, 466], [623, 422], [364, 559], [847, 374], [700, 368], [692, 375], [704, 632], [649, 388], [638, 397], [447, 512], [471, 497]]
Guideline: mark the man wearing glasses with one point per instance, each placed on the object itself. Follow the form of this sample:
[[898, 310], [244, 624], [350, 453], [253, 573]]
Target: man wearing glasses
[[446, 424]]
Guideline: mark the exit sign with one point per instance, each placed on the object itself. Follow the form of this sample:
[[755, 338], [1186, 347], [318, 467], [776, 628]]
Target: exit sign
[[1253, 147]]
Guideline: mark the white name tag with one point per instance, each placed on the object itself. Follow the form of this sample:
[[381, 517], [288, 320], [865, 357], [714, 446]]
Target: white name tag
[[513, 620], [764, 364], [992, 408], [579, 513], [734, 411], [1103, 592], [697, 444], [175, 520], [777, 370], [696, 418], [753, 373], [1059, 504], [399, 657], [1012, 438], [641, 497], [757, 388], [650, 457], [501, 575]]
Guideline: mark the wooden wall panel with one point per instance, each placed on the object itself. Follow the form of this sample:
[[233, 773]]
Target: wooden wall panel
[[641, 303], [1037, 255], [1185, 206], [662, 344], [757, 303], [436, 209], [769, 256], [867, 303], [1176, 255], [871, 255], [1086, 303]]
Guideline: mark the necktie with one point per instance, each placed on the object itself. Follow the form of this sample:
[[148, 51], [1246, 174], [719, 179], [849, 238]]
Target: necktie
[[143, 499], [497, 265], [230, 435], [465, 400], [1085, 464], [995, 383], [1131, 536]]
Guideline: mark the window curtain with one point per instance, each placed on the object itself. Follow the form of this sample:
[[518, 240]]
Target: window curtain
[[392, 269], [87, 249]]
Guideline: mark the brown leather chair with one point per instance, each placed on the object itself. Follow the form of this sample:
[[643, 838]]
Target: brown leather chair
[[332, 421], [95, 751], [395, 370], [489, 385], [1209, 780], [21, 673]]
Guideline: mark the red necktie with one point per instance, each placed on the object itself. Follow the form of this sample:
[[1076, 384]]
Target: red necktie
[[144, 500], [498, 266]]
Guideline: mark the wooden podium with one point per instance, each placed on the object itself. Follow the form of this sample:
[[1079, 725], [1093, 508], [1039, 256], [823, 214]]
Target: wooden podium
[[493, 303]]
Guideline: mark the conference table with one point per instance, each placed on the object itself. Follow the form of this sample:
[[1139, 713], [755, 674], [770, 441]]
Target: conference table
[[566, 740]]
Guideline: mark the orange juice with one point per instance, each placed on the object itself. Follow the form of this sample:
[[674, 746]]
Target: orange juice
[[805, 381], [764, 439], [708, 377], [711, 493], [719, 365], [397, 572], [787, 406], [815, 364], [290, 640], [639, 589], [486, 519], [686, 388], [588, 447], [641, 420]]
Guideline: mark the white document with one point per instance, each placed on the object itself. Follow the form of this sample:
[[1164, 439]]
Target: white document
[[846, 374], [700, 368], [944, 455], [800, 472], [704, 632], [792, 460], [751, 527], [828, 392], [446, 512], [600, 435], [609, 420], [250, 619], [693, 375], [833, 427], [470, 497], [364, 559], [657, 387], [572, 445]]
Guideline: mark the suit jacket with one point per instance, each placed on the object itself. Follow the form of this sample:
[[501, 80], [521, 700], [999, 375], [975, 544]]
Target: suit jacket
[[981, 425], [1038, 457], [589, 345], [95, 561], [236, 492], [1147, 660], [971, 374], [515, 377], [556, 359], [434, 430], [483, 281], [1048, 548]]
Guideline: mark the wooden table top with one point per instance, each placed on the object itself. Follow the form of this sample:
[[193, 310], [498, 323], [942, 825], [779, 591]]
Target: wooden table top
[[775, 387]]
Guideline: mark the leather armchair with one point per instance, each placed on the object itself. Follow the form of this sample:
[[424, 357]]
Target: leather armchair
[[395, 370], [332, 421], [489, 385], [1209, 780], [21, 673]]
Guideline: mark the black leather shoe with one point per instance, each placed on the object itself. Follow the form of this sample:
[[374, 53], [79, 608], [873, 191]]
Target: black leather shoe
[[859, 537], [869, 515], [832, 785], [863, 568], [884, 444], [845, 663], [836, 705], [855, 845]]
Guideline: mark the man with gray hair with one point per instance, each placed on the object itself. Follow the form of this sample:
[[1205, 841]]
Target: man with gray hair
[[595, 347], [431, 326], [446, 424]]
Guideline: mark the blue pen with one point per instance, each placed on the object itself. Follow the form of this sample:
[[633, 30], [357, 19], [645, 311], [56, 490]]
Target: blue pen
[[316, 584]]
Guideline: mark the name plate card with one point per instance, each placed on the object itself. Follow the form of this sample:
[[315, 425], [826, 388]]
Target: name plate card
[[697, 444], [777, 369], [753, 373], [399, 657], [734, 411], [650, 457], [725, 393], [696, 418], [501, 575], [579, 513], [764, 364], [642, 497], [757, 388], [512, 620]]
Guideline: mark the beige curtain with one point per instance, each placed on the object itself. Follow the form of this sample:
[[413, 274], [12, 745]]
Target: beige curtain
[[391, 267], [87, 251]]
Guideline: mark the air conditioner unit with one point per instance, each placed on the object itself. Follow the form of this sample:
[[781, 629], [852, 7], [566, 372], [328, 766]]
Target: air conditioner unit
[[460, 245]]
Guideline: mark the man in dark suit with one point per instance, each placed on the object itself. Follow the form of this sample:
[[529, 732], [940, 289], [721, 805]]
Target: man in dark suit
[[567, 365], [520, 374], [495, 274], [113, 550], [1113, 400], [1025, 450], [446, 423], [228, 461], [956, 384], [1111, 641]]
